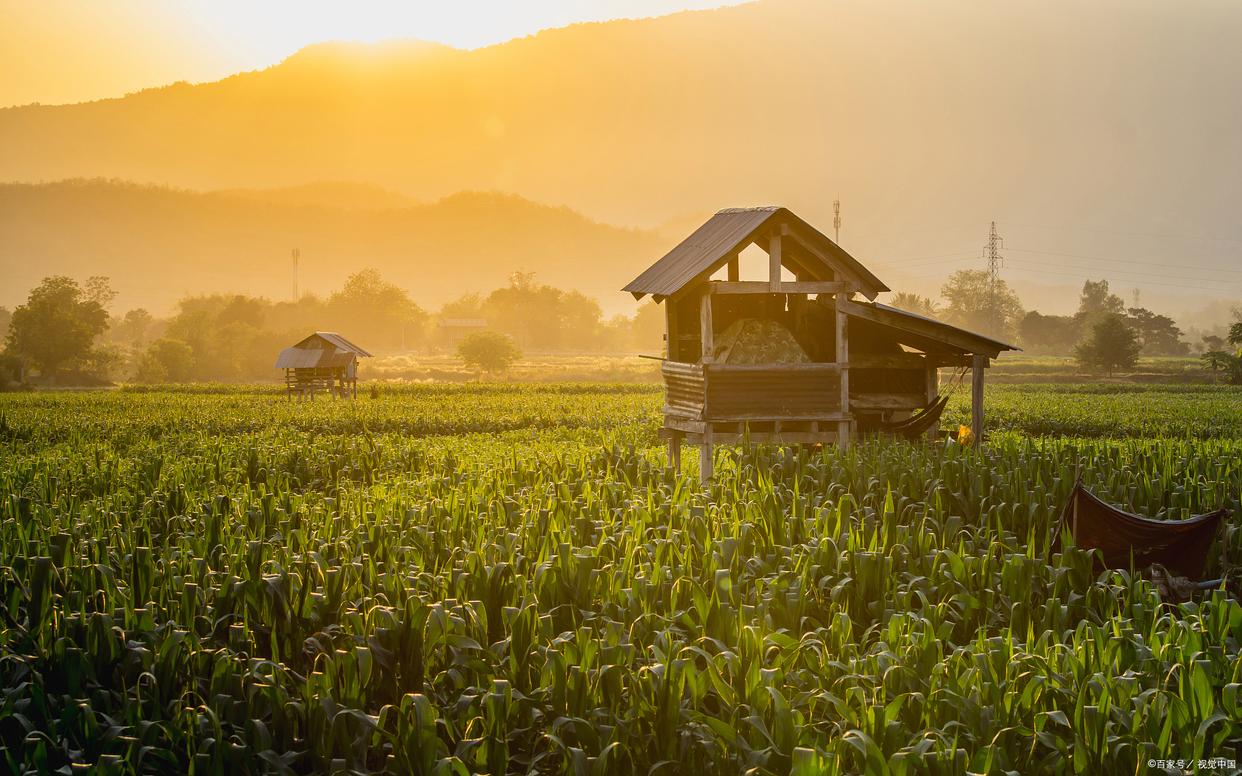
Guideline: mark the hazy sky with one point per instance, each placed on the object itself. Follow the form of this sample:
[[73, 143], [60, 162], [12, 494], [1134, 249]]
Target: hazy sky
[[56, 51]]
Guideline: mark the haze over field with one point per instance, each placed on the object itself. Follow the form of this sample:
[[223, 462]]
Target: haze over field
[[1102, 138]]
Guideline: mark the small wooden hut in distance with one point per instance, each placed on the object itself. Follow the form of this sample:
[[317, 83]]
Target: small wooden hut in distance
[[794, 357], [324, 360]]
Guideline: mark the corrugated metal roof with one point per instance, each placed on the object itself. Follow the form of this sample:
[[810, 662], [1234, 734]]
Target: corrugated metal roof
[[922, 326], [729, 231], [333, 339], [309, 358]]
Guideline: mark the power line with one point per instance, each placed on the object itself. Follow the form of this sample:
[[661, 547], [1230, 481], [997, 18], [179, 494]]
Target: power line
[[1129, 273], [1158, 235], [1126, 261], [1042, 269]]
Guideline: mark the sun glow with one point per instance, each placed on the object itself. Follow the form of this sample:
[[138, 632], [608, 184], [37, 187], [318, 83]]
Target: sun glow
[[59, 51]]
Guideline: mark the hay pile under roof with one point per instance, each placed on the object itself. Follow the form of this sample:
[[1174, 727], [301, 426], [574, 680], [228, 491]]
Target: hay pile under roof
[[758, 341]]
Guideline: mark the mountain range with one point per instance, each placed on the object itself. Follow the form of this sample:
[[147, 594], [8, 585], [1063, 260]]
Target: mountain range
[[1102, 137]]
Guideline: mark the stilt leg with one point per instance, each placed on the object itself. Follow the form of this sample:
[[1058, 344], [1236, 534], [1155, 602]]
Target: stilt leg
[[706, 464], [674, 452]]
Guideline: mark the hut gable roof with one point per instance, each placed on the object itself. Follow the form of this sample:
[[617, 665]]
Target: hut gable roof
[[320, 350], [925, 333], [322, 339], [729, 231]]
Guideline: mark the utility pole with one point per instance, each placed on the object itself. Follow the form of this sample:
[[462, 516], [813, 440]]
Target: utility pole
[[1134, 292], [836, 220], [995, 262], [297, 254]]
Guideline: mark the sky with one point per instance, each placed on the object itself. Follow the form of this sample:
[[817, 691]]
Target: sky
[[59, 51]]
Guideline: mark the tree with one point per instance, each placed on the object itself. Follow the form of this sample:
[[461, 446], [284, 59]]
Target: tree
[[972, 303], [370, 309], [647, 328], [56, 328], [1095, 302], [488, 351], [1111, 344], [913, 303], [166, 361], [1159, 334], [1221, 360], [1212, 342], [5, 317], [134, 326], [529, 313], [1055, 334]]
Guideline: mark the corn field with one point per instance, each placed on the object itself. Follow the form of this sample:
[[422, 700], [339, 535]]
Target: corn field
[[500, 579]]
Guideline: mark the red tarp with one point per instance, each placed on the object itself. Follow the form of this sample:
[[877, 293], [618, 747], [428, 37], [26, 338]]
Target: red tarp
[[1179, 545]]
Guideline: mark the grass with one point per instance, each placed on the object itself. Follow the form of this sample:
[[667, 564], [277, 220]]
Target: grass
[[504, 579]]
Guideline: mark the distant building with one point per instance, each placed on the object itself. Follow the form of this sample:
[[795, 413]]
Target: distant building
[[324, 360], [454, 330]]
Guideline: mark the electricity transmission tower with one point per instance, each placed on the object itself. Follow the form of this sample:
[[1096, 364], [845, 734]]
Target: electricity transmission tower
[[995, 262], [836, 221]]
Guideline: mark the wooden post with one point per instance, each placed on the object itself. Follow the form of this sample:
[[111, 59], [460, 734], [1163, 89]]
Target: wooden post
[[843, 359], [705, 456], [674, 451], [733, 269], [706, 337], [933, 392], [671, 345], [774, 262], [977, 365]]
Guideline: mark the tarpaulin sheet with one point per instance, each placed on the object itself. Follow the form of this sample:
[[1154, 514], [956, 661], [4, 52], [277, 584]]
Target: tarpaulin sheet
[[1179, 545]]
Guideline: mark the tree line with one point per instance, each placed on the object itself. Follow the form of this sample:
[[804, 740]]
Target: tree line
[[65, 333], [1103, 334]]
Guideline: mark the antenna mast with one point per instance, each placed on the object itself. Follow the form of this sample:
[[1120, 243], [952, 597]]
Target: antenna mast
[[836, 220], [297, 254]]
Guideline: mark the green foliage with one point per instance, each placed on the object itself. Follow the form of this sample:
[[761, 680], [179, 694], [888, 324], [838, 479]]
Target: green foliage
[[973, 303], [488, 351], [1041, 333], [1158, 333], [378, 311], [1111, 344], [540, 317], [504, 579], [1096, 302], [166, 361], [914, 303], [55, 330]]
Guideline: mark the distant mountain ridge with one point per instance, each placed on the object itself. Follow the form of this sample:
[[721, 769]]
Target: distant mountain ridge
[[159, 243], [928, 120]]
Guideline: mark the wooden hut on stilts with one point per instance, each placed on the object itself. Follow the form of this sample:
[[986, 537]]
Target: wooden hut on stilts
[[795, 357], [323, 361]]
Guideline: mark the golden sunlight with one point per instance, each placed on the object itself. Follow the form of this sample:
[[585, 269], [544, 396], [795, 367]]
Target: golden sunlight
[[59, 51]]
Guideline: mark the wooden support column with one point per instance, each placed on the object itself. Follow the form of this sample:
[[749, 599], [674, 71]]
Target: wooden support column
[[733, 269], [933, 392], [672, 348], [843, 359], [706, 464], [774, 262], [978, 364], [674, 452], [707, 336]]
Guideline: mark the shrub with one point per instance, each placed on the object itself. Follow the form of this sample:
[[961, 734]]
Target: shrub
[[488, 351]]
